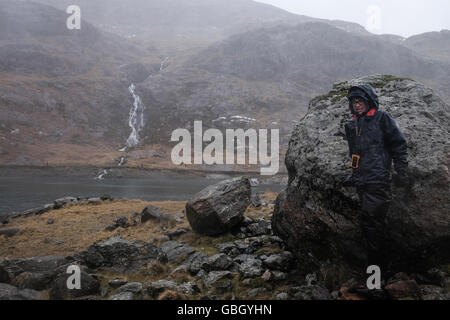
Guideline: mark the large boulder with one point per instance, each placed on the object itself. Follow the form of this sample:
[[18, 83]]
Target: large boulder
[[120, 255], [32, 273], [218, 208], [89, 285], [319, 218]]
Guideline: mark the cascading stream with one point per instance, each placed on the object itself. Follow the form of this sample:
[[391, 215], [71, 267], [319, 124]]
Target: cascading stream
[[136, 119], [136, 123]]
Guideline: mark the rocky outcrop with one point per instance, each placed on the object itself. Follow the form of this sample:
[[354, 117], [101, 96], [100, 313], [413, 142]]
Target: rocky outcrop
[[319, 218], [220, 207], [120, 255]]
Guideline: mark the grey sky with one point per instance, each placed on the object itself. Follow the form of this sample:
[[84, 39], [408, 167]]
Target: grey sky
[[401, 17]]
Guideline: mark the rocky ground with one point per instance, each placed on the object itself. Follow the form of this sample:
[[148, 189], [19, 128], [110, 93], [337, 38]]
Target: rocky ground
[[132, 249]]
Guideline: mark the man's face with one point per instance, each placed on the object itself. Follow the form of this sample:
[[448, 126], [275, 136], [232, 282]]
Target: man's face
[[359, 105]]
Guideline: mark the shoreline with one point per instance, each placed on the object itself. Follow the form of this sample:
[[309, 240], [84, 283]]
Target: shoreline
[[86, 171]]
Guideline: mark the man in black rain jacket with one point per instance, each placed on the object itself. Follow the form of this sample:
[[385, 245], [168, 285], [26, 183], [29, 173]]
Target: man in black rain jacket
[[374, 140]]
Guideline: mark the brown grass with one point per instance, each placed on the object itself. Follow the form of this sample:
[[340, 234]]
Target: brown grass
[[80, 226]]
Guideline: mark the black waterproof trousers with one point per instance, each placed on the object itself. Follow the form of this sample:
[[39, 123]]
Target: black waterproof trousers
[[375, 201]]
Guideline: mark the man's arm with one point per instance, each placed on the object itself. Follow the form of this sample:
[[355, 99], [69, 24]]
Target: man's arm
[[348, 138], [395, 142]]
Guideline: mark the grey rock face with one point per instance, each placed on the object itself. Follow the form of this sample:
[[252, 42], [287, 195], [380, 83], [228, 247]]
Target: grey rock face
[[120, 255], [38, 265], [218, 208], [319, 218]]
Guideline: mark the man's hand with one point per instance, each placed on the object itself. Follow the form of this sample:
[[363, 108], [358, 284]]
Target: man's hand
[[402, 179], [348, 181]]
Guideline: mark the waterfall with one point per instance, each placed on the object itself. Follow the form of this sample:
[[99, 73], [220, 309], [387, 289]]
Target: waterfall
[[121, 161], [162, 63], [101, 175], [136, 119]]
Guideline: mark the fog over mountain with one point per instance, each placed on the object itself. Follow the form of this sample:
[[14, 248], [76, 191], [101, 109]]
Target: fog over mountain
[[64, 94]]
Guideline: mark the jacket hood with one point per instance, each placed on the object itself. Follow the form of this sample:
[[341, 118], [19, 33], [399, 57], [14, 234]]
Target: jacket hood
[[370, 96]]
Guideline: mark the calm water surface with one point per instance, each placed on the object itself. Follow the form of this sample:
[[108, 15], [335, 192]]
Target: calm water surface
[[22, 193]]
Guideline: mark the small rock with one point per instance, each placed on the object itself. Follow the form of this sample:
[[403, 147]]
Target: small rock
[[155, 288], [251, 268], [176, 251], [122, 296], [195, 262], [35, 281], [151, 212], [266, 276], [104, 292], [175, 233], [278, 275], [224, 286], [61, 202], [188, 288], [315, 292], [9, 232], [259, 228], [214, 276], [179, 271], [311, 279], [218, 261], [116, 283], [280, 261], [243, 257], [282, 296], [403, 289], [429, 292], [226, 247], [256, 292], [134, 287], [95, 201]]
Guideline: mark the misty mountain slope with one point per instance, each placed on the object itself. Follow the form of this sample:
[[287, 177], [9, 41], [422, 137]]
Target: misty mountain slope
[[317, 52], [204, 21], [270, 74], [435, 45], [60, 90]]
